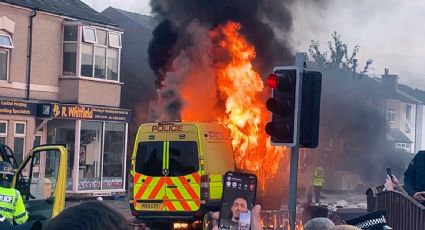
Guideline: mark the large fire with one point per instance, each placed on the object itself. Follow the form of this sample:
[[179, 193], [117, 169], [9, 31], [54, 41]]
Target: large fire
[[240, 87]]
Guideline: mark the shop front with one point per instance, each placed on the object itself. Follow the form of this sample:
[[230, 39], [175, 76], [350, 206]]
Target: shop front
[[96, 138], [18, 126]]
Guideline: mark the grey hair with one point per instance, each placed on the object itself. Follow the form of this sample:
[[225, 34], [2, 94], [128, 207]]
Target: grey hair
[[319, 224]]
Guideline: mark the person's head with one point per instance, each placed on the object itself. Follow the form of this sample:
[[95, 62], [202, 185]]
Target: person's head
[[320, 223], [239, 206], [345, 227], [6, 174], [92, 215]]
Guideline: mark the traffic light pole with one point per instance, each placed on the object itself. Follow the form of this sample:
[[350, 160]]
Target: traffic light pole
[[300, 60]]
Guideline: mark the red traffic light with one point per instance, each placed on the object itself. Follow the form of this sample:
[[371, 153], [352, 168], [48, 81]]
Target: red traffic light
[[272, 81]]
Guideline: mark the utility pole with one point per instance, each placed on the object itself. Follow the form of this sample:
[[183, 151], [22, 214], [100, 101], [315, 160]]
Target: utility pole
[[301, 63]]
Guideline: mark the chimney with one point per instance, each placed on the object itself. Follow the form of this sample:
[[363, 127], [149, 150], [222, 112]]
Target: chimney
[[390, 81]]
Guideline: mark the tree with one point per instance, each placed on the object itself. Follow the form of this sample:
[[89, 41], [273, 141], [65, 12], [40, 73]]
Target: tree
[[339, 57]]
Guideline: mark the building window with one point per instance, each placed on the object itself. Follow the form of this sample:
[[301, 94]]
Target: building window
[[403, 146], [408, 112], [86, 60], [3, 132], [89, 35], [90, 155], [70, 40], [113, 57], [113, 158], [100, 52], [4, 64], [391, 114], [100, 63], [114, 40], [37, 140], [6, 41], [5, 45], [19, 141], [63, 132]]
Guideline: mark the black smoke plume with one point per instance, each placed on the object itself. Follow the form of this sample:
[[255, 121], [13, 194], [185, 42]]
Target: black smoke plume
[[257, 17]]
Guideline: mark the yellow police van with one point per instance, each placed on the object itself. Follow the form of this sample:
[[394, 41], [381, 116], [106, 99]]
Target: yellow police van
[[177, 170]]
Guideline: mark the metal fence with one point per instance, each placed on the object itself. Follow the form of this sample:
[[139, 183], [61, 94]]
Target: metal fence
[[404, 212]]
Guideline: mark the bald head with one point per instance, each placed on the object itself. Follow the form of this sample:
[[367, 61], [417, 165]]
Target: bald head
[[319, 224]]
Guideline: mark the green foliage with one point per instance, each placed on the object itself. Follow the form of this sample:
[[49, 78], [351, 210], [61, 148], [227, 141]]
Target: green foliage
[[339, 57]]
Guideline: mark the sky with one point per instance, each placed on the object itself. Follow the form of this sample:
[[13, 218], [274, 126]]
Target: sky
[[390, 32]]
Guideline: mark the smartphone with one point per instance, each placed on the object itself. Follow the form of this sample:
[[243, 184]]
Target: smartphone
[[237, 201], [390, 174]]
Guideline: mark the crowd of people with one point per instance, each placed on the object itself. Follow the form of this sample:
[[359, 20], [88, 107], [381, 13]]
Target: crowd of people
[[94, 215]]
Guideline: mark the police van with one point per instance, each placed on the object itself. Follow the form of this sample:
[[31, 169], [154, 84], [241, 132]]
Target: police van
[[177, 170]]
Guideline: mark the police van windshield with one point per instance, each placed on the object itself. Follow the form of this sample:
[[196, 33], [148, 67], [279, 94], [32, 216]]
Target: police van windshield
[[149, 158], [183, 158]]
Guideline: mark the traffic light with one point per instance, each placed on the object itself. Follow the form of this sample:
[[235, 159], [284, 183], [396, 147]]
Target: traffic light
[[310, 109], [285, 82], [283, 104]]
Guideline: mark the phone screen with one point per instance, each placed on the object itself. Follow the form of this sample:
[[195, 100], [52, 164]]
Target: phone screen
[[238, 199], [389, 173]]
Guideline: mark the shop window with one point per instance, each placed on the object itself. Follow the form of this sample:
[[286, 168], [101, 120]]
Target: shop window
[[63, 132], [90, 155], [19, 141], [113, 158], [3, 132]]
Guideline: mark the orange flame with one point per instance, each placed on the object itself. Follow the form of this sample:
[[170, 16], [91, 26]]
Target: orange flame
[[241, 89], [241, 86]]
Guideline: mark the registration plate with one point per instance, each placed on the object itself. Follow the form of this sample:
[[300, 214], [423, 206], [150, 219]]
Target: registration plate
[[149, 206]]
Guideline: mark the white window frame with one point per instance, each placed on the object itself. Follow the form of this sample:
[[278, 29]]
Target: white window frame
[[81, 40], [7, 63], [119, 40], [401, 145], [39, 134], [10, 39], [107, 47], [84, 37], [77, 69], [25, 129], [4, 134], [20, 135], [391, 113]]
